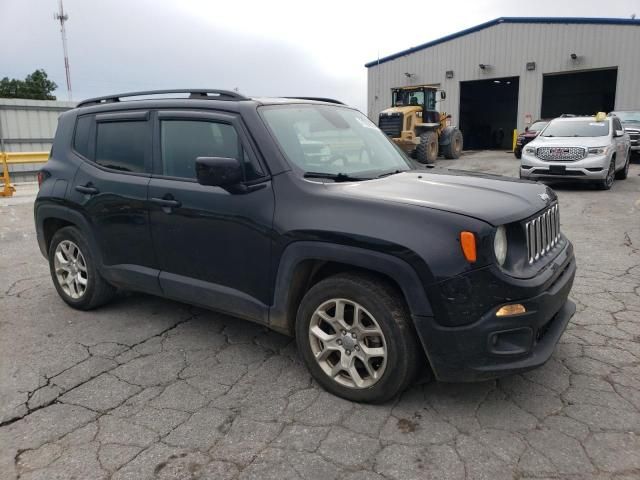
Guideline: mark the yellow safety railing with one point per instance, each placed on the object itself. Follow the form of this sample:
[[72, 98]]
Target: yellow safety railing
[[15, 158]]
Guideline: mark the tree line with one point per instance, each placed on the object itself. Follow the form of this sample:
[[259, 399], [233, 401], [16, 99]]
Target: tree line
[[35, 86]]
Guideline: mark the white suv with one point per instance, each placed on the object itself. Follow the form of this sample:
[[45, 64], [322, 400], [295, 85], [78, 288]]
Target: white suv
[[578, 148]]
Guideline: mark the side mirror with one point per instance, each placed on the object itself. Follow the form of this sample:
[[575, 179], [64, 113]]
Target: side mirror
[[619, 133], [218, 171], [526, 129], [443, 94]]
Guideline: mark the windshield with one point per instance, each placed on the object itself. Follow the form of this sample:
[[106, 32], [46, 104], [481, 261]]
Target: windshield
[[577, 128], [403, 98], [628, 116], [537, 126], [333, 140]]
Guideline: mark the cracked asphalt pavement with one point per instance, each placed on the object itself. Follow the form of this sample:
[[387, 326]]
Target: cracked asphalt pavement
[[150, 388]]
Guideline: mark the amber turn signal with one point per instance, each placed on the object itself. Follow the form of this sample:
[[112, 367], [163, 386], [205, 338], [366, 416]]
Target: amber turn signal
[[468, 244], [508, 310]]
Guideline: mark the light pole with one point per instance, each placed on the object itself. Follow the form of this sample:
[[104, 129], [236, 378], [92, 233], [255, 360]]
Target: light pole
[[62, 18]]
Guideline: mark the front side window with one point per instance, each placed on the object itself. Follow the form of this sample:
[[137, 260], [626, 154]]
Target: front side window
[[182, 141], [576, 128], [122, 145], [332, 140]]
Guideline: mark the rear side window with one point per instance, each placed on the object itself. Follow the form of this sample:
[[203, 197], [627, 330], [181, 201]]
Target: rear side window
[[81, 136], [182, 141], [122, 145]]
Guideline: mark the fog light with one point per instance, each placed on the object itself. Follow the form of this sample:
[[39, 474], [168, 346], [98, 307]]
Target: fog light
[[508, 310]]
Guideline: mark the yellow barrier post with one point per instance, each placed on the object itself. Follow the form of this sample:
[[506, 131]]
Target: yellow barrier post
[[515, 139], [8, 189]]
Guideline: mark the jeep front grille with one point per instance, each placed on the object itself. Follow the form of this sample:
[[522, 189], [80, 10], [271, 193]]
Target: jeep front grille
[[543, 233], [562, 154], [391, 124]]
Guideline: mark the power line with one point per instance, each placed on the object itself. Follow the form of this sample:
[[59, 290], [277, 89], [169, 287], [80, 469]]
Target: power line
[[62, 18]]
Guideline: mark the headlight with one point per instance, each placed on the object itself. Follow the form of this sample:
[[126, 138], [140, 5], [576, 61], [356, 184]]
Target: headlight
[[597, 150], [530, 150], [500, 245]]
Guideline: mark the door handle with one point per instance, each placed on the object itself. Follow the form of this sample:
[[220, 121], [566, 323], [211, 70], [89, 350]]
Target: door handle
[[166, 202], [87, 189]]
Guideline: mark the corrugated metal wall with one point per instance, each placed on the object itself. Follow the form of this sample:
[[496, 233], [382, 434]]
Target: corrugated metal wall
[[29, 125], [507, 47]]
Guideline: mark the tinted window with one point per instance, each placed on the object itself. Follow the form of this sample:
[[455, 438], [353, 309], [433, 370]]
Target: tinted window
[[576, 128], [81, 137], [182, 141], [122, 145]]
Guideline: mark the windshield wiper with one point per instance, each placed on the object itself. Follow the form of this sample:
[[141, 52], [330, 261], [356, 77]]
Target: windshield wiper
[[387, 174], [336, 177]]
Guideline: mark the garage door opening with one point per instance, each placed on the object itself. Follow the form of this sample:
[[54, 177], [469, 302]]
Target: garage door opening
[[580, 93], [489, 112]]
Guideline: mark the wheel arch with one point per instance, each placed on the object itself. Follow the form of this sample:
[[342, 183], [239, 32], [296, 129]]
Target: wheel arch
[[303, 264], [51, 218]]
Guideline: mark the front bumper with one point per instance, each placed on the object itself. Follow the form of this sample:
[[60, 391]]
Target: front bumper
[[593, 167], [493, 346]]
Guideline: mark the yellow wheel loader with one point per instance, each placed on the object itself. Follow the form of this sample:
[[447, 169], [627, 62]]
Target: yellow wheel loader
[[415, 125]]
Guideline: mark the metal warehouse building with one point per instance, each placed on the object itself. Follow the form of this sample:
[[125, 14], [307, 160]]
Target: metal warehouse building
[[505, 73]]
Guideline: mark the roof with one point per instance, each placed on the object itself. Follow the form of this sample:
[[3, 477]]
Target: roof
[[498, 21]]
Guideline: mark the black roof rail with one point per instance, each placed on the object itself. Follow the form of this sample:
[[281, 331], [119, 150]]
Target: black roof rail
[[318, 99], [194, 93]]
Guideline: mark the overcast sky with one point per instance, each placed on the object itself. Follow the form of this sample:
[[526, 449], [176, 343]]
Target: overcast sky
[[266, 47]]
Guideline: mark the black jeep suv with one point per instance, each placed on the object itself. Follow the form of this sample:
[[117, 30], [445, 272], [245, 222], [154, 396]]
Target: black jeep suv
[[301, 215]]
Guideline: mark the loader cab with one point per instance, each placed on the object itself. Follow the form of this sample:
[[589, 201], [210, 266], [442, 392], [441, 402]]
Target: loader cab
[[423, 97]]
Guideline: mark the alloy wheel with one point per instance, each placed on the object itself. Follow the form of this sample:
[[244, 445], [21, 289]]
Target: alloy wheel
[[348, 343], [611, 174], [70, 269]]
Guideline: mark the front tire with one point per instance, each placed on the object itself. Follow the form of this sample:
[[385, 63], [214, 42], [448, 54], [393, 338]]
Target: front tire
[[74, 273], [607, 182], [427, 149], [355, 335], [454, 149], [624, 173]]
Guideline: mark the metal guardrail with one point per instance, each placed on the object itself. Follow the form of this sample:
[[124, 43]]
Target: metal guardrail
[[17, 158]]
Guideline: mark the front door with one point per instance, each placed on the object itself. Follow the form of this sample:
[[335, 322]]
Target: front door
[[213, 246]]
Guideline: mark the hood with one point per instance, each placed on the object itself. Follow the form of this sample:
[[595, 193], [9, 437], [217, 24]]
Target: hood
[[494, 199], [631, 125], [404, 110], [585, 142]]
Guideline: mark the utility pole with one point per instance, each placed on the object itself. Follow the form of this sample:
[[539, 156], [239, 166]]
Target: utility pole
[[62, 17]]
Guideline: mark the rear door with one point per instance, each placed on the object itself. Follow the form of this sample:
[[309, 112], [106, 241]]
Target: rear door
[[111, 189], [213, 246]]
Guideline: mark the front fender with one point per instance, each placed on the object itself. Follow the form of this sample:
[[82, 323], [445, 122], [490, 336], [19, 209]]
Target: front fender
[[398, 270]]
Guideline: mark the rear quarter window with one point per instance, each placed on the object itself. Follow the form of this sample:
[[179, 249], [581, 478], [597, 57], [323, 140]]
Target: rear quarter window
[[81, 135]]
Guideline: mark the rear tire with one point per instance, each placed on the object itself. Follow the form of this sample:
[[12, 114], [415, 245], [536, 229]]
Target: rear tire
[[427, 149], [74, 272], [454, 149], [369, 359], [624, 173]]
